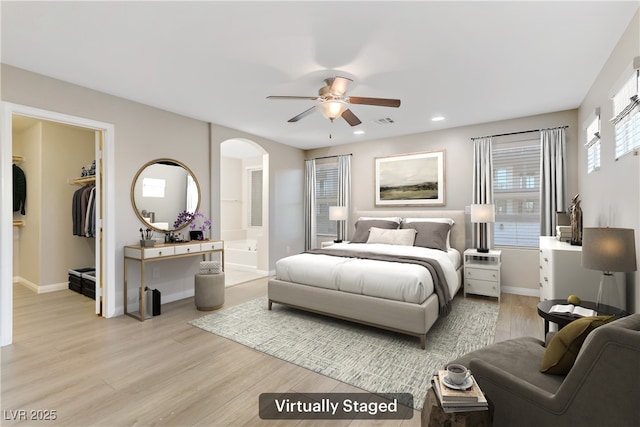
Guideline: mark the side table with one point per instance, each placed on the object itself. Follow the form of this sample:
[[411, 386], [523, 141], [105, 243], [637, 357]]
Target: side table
[[434, 416], [563, 319]]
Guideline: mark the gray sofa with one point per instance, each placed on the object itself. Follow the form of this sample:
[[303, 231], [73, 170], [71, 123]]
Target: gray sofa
[[601, 389]]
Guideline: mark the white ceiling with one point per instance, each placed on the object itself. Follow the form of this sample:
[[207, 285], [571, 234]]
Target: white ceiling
[[471, 62]]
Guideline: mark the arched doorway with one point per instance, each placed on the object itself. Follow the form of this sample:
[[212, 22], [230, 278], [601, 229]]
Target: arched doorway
[[244, 209]]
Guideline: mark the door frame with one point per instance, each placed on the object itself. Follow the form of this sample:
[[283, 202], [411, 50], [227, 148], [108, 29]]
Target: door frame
[[107, 249]]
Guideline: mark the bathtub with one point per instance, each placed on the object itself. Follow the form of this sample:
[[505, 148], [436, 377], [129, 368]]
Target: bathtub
[[241, 253]]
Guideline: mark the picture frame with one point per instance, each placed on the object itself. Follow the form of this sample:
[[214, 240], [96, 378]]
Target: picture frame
[[414, 179]]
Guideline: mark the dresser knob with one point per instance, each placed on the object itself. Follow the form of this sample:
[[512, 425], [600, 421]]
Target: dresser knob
[[160, 253]]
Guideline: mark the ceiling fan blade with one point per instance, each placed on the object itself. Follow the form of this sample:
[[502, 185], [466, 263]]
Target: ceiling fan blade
[[382, 102], [339, 86], [313, 98], [302, 115], [350, 117]]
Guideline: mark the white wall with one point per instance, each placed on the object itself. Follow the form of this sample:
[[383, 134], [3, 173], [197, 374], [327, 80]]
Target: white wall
[[520, 267], [610, 196], [143, 133], [231, 205]]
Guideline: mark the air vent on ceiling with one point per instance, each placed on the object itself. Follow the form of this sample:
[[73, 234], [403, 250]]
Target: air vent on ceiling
[[385, 121]]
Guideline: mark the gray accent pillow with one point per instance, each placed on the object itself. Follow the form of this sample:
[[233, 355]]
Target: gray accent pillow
[[363, 226], [430, 234]]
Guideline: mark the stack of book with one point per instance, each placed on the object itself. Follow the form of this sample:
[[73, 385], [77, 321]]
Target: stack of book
[[563, 233], [457, 399]]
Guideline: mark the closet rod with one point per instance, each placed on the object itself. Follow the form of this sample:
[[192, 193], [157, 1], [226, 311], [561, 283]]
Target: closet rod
[[518, 133], [328, 157]]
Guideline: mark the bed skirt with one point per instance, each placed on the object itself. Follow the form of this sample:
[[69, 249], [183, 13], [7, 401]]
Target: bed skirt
[[407, 318]]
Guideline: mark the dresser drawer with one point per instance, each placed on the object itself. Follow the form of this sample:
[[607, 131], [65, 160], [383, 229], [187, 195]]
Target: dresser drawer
[[158, 252], [482, 287], [211, 246], [481, 274], [187, 249]]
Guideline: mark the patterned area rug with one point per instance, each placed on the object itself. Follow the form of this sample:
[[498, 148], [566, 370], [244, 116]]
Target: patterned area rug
[[373, 359]]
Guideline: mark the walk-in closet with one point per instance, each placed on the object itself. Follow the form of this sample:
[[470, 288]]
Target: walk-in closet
[[53, 204]]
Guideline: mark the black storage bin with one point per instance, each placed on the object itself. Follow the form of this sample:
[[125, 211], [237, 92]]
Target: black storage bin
[[156, 302], [75, 277], [89, 284]]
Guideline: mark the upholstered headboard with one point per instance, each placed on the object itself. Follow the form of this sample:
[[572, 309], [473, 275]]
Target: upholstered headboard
[[458, 233]]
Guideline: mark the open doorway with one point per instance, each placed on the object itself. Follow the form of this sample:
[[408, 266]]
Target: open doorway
[[244, 216], [103, 240]]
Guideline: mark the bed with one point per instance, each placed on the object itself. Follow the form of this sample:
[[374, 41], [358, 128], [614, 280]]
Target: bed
[[353, 281]]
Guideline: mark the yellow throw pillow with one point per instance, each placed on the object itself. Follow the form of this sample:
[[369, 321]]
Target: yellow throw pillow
[[562, 351]]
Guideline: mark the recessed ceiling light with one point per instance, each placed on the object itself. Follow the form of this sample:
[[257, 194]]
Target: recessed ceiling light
[[437, 118], [358, 132]]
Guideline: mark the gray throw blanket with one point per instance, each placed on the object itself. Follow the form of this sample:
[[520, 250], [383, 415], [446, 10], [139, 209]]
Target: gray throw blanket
[[439, 279]]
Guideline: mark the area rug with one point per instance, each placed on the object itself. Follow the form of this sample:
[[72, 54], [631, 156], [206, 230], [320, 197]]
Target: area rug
[[372, 359]]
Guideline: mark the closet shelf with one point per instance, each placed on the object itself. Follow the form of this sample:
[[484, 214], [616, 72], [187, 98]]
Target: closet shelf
[[84, 180], [18, 223]]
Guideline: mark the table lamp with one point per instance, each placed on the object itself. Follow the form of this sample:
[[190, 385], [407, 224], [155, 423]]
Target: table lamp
[[339, 214], [609, 250], [483, 214]]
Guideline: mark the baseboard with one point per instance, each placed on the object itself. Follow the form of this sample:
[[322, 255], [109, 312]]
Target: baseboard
[[43, 289], [529, 292], [177, 296]]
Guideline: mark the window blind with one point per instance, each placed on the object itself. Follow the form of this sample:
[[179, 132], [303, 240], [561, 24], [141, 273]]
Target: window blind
[[516, 182], [326, 196], [626, 116], [593, 144]]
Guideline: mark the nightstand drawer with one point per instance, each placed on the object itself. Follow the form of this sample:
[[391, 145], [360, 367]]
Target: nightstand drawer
[[482, 287], [481, 274]]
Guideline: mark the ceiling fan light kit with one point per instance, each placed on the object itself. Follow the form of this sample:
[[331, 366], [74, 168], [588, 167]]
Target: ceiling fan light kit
[[332, 109], [334, 103]]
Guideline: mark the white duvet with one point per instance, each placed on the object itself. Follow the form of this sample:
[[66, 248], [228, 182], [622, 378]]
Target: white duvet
[[390, 280]]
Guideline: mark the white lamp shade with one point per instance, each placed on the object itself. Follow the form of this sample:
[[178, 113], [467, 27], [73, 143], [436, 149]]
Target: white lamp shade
[[337, 213], [609, 249], [483, 213]]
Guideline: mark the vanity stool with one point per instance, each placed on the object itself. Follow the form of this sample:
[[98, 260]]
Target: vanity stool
[[209, 291]]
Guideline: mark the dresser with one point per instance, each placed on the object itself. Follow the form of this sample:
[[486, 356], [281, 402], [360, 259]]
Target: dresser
[[482, 272], [562, 274], [159, 253]]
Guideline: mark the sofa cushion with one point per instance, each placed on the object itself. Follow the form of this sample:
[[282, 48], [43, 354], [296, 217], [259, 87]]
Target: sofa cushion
[[519, 357], [564, 347]]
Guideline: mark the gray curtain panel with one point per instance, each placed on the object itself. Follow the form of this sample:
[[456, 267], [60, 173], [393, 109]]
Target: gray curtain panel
[[553, 187], [482, 182], [310, 241], [344, 193]]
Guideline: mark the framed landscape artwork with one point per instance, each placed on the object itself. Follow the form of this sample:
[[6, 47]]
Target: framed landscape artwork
[[415, 179]]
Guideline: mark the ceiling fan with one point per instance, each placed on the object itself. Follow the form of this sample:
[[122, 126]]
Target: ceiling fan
[[334, 102]]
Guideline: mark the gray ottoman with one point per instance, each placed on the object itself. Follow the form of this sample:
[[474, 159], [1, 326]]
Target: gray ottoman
[[209, 291]]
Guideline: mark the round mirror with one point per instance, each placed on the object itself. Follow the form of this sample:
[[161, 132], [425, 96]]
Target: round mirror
[[161, 190]]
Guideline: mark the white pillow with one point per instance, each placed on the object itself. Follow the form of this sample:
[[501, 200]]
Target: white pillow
[[395, 219], [449, 221], [404, 237]]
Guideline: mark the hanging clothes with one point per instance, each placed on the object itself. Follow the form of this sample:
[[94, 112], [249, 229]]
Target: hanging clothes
[[19, 189], [83, 211]]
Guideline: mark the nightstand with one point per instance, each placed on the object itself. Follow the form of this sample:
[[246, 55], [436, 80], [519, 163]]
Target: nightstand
[[482, 273]]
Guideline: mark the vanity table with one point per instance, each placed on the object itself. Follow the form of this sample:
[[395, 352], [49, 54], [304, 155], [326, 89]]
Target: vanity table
[[159, 253]]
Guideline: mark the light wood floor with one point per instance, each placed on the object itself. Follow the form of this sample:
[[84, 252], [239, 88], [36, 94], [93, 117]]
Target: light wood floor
[[120, 372]]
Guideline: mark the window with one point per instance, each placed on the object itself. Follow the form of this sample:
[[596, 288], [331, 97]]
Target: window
[[626, 116], [153, 187], [516, 184], [326, 195], [593, 143], [254, 218]]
